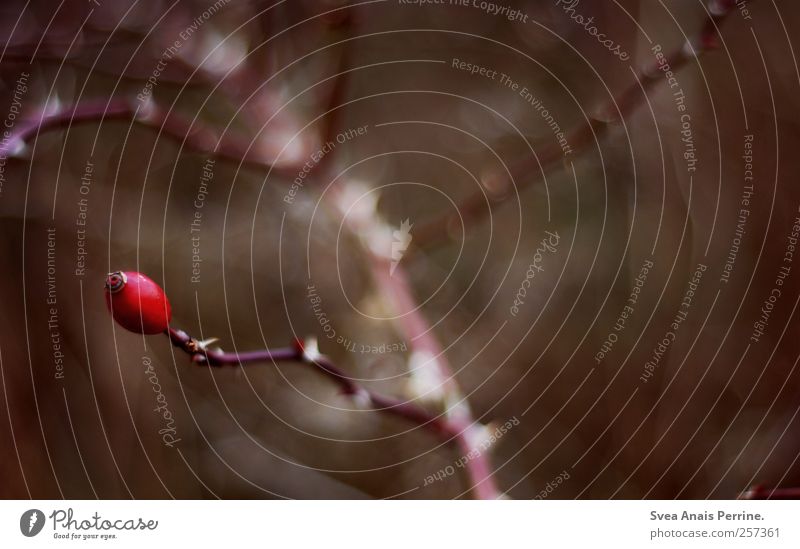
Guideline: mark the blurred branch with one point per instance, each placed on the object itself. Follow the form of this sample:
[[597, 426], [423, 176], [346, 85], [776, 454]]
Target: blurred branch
[[475, 207], [333, 109], [425, 350], [194, 135], [421, 340], [759, 492], [366, 225]]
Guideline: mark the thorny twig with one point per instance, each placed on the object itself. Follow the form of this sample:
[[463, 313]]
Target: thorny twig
[[194, 135], [474, 208], [426, 352], [760, 492], [307, 353], [367, 224]]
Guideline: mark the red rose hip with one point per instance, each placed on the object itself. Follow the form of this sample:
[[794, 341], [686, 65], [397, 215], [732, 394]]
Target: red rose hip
[[137, 303]]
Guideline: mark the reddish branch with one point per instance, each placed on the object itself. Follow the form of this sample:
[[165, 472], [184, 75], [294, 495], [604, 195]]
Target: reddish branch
[[367, 226], [760, 492], [417, 331], [457, 420], [306, 353], [333, 108], [474, 208], [194, 135]]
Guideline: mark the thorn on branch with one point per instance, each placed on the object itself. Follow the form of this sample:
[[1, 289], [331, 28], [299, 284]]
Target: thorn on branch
[[139, 304]]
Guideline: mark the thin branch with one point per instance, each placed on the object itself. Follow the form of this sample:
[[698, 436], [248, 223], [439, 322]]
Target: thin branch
[[367, 226], [474, 207], [333, 107], [421, 339], [456, 422], [307, 353], [759, 492], [193, 134]]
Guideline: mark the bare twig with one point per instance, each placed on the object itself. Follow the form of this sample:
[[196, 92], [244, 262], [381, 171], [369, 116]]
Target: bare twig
[[368, 227], [760, 492], [333, 108], [474, 207], [307, 353], [418, 333], [193, 134]]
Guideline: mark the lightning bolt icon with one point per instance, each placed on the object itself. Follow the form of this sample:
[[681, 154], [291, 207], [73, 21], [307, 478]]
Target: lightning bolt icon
[[400, 241], [33, 520]]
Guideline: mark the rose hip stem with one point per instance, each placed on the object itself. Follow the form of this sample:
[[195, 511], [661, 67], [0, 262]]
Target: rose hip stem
[[306, 353]]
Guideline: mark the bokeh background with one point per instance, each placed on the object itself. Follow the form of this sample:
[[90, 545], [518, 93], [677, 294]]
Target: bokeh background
[[718, 416]]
